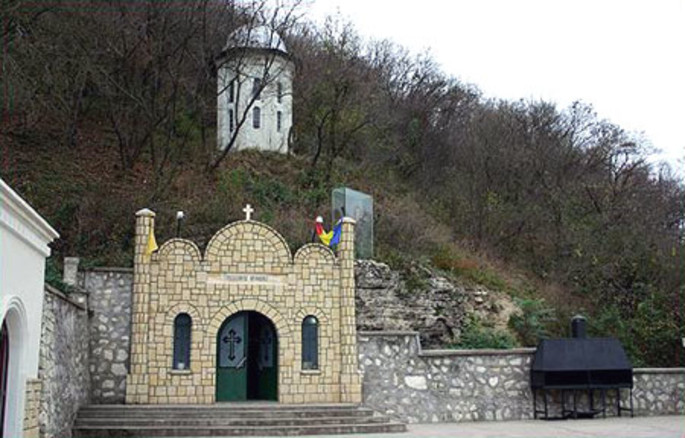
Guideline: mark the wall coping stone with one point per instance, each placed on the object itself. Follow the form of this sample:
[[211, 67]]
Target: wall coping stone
[[109, 269], [492, 352], [477, 352], [659, 370], [59, 294], [388, 333], [446, 352], [145, 212]]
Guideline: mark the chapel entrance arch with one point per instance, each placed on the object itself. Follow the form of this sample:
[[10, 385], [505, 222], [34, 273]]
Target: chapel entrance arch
[[247, 358]]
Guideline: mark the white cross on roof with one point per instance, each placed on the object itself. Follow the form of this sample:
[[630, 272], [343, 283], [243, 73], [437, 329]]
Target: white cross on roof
[[248, 212]]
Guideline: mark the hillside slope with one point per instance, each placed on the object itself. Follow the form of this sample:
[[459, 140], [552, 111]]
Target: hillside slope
[[106, 111], [92, 202]]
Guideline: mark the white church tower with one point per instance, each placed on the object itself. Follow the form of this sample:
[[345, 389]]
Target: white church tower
[[254, 107]]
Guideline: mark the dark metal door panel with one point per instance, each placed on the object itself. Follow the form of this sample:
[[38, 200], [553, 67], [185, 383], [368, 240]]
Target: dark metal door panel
[[231, 371]]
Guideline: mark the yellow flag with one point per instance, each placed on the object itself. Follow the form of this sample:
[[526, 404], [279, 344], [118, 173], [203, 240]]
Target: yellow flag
[[326, 237], [151, 242]]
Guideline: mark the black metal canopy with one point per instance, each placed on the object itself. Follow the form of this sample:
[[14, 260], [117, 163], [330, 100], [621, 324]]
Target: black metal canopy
[[572, 363]]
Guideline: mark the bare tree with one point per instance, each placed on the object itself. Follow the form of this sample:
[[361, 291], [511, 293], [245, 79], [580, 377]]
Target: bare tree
[[336, 96]]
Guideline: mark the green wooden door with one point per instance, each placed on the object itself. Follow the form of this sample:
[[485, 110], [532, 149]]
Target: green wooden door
[[231, 364], [267, 366]]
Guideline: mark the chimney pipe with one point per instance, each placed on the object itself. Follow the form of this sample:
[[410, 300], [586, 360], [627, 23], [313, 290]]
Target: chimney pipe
[[578, 327], [70, 273]]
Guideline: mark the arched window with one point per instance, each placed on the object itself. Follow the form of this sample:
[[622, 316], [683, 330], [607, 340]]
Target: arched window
[[256, 117], [310, 343], [182, 325], [257, 88]]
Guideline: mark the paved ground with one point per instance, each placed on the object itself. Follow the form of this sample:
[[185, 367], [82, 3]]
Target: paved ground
[[639, 427]]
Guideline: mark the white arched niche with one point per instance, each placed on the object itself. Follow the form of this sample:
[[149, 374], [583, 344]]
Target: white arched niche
[[15, 318]]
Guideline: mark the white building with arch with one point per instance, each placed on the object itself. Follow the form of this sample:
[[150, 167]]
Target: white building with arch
[[24, 239], [254, 91]]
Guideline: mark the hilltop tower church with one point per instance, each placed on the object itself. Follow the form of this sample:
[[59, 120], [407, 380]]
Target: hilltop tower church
[[254, 81]]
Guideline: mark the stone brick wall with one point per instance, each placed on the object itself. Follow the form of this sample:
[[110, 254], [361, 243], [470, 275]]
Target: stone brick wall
[[658, 391], [398, 378], [444, 386], [109, 301], [31, 408], [63, 362], [211, 287]]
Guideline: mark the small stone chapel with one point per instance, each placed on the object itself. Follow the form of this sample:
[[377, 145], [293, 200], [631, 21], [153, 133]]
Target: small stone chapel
[[244, 320]]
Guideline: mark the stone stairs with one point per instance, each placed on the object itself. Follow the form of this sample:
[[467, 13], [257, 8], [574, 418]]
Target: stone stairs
[[228, 419]]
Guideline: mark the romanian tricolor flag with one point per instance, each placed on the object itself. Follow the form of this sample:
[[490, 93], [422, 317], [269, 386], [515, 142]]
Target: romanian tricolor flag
[[330, 238]]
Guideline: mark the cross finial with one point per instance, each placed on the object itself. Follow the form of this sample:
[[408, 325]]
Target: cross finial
[[248, 212]]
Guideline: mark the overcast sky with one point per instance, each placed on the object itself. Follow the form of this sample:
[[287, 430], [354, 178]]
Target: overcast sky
[[625, 57]]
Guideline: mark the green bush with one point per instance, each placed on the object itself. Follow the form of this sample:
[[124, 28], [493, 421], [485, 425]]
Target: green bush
[[268, 191], [414, 281], [655, 332], [467, 269], [532, 324], [232, 181], [476, 335], [53, 275], [651, 336]]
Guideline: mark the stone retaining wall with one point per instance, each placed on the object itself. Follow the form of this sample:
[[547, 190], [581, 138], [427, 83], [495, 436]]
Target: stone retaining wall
[[31, 408], [109, 300], [401, 380], [63, 362], [659, 391]]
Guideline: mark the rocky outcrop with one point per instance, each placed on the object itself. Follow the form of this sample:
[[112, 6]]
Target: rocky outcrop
[[418, 299], [415, 301]]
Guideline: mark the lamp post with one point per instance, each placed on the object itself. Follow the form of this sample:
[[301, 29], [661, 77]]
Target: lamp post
[[179, 218]]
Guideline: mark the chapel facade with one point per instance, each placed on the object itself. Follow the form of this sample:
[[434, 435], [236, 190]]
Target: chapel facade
[[243, 320]]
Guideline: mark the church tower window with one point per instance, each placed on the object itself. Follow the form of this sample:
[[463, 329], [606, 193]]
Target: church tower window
[[256, 117], [279, 120], [182, 326], [231, 91], [257, 88], [310, 343], [279, 92], [230, 120]]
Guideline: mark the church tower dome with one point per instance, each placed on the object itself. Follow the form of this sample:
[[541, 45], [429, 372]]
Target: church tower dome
[[260, 37], [254, 91]]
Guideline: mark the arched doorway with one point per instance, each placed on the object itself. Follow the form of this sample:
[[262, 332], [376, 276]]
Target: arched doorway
[[247, 358], [16, 340], [4, 369]]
